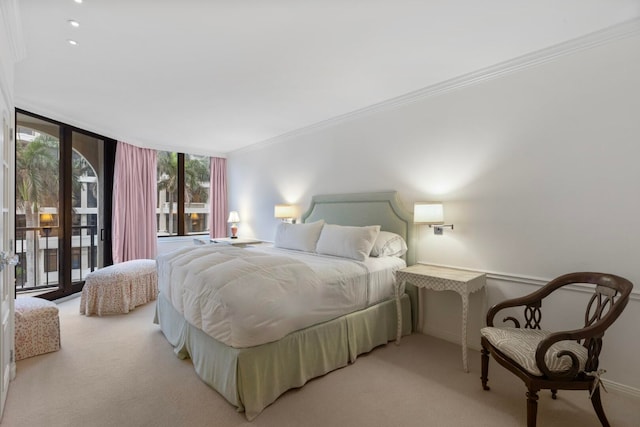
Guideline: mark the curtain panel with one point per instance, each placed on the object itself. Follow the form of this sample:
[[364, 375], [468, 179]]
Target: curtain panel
[[218, 198], [135, 198]]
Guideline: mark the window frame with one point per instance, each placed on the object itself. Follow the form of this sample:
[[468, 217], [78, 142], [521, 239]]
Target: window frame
[[180, 202]]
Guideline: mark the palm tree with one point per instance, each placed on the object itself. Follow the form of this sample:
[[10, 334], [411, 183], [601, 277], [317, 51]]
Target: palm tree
[[196, 170], [37, 174], [36, 185], [168, 180]]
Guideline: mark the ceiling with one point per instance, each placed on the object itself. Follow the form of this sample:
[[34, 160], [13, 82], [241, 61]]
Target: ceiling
[[214, 76]]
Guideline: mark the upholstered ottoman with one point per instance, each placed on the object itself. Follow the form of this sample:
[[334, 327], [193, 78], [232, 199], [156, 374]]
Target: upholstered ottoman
[[37, 327], [119, 288]]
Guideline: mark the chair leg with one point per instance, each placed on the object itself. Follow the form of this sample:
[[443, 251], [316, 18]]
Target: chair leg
[[597, 405], [554, 394], [485, 368], [532, 407]]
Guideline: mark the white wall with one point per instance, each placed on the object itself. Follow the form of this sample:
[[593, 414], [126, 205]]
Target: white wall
[[538, 170]]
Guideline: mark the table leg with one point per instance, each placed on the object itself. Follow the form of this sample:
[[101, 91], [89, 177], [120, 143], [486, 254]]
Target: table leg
[[465, 310], [399, 315], [420, 327]]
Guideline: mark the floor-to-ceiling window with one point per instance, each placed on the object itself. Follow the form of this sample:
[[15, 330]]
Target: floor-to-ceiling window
[[197, 171], [183, 194], [64, 179]]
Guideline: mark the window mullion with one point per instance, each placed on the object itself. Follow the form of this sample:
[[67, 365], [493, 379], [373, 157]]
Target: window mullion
[[181, 187]]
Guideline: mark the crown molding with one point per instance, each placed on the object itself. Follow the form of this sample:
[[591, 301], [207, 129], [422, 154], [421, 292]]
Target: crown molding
[[13, 28], [620, 31], [105, 131]]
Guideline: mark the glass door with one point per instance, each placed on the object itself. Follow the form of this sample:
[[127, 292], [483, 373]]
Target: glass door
[[37, 218], [87, 205], [64, 179]]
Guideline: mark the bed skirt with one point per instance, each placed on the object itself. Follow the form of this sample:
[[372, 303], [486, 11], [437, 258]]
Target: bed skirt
[[252, 378]]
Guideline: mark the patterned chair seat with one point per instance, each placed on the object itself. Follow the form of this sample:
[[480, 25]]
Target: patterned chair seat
[[37, 327], [520, 346], [119, 288]]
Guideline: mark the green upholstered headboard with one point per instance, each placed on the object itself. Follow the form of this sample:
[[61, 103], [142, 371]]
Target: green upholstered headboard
[[360, 209]]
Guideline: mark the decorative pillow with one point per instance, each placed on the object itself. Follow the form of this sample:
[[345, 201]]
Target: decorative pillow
[[389, 244], [301, 237], [347, 242]]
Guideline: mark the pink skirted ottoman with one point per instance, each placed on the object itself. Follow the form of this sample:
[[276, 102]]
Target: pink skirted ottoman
[[37, 327], [119, 288]]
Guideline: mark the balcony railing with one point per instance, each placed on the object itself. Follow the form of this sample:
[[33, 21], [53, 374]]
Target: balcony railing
[[38, 254]]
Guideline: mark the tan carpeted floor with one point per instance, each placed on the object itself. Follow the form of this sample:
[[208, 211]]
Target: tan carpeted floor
[[120, 371]]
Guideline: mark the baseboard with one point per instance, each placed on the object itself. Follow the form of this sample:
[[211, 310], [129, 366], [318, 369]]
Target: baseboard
[[621, 389]]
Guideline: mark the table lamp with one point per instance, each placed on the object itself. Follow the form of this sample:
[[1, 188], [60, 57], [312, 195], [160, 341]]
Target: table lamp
[[234, 218]]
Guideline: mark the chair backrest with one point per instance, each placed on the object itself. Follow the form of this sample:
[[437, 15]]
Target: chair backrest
[[610, 296]]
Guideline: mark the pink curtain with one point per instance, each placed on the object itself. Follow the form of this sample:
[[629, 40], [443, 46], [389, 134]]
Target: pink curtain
[[218, 198], [134, 203]]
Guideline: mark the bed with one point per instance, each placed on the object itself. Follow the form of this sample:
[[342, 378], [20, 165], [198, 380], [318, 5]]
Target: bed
[[251, 373]]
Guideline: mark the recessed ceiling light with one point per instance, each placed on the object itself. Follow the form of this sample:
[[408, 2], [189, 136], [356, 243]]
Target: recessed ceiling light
[[72, 42], [73, 23], [78, 1]]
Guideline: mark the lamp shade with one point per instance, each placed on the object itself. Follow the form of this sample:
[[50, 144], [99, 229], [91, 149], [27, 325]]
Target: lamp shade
[[233, 217], [46, 217], [284, 211], [428, 213]]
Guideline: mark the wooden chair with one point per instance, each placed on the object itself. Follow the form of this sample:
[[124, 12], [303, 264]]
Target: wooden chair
[[565, 360]]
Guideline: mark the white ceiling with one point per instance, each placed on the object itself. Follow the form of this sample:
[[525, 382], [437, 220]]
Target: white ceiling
[[213, 76]]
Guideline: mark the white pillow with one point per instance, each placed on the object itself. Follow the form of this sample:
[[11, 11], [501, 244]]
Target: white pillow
[[347, 242], [301, 237], [389, 244]]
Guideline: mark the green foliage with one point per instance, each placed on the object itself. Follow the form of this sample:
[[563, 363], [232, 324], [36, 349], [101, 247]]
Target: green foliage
[[196, 173], [37, 177], [168, 173], [196, 170]]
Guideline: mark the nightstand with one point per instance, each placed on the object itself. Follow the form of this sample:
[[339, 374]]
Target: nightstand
[[463, 282], [240, 241]]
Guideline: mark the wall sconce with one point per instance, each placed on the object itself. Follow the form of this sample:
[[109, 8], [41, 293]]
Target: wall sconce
[[286, 213], [431, 213], [234, 218]]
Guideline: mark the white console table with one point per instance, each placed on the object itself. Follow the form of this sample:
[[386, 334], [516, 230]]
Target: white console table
[[463, 282]]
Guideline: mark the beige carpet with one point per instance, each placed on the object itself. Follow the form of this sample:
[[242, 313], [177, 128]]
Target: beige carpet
[[120, 371]]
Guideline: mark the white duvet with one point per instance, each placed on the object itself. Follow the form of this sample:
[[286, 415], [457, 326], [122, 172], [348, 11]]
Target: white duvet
[[246, 297]]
